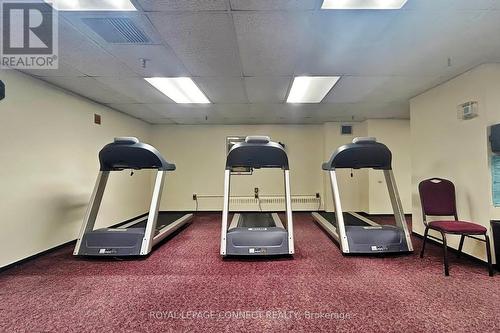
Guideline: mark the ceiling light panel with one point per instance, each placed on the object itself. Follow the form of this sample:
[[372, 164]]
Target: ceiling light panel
[[181, 90], [311, 89], [92, 5], [363, 4]]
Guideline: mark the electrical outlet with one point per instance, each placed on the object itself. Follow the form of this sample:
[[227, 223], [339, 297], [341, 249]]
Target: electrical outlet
[[97, 119], [195, 196], [256, 192], [317, 195]]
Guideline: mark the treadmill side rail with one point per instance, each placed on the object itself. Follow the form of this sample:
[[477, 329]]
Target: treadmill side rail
[[171, 228], [277, 220], [329, 228]]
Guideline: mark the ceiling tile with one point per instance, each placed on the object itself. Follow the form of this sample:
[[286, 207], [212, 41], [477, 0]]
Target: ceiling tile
[[163, 121], [270, 43], [416, 43], [182, 5], [136, 88], [90, 88], [339, 42], [160, 60], [223, 89], [204, 42], [362, 111], [231, 110], [63, 70], [181, 110], [283, 110], [187, 120], [141, 111], [273, 4], [267, 89], [449, 5], [353, 89], [86, 56]]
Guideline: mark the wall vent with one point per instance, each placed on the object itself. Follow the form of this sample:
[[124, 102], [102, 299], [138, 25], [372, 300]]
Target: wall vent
[[117, 30], [346, 130]]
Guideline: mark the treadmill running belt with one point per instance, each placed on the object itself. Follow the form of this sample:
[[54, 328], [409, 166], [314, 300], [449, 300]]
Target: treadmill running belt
[[164, 219], [349, 219], [256, 220]]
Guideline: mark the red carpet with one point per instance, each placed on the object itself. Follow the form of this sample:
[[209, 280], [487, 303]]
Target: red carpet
[[185, 286]]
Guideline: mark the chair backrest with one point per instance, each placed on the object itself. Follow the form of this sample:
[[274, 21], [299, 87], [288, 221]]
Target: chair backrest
[[437, 196]]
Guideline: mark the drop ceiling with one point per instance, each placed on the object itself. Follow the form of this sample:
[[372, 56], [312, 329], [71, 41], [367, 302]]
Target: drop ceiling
[[244, 54]]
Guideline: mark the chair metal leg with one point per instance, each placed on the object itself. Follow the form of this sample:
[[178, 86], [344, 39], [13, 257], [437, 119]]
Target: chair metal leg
[[445, 252], [488, 254], [423, 244], [460, 246]]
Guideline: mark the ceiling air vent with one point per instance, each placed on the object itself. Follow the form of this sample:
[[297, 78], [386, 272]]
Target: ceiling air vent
[[118, 30]]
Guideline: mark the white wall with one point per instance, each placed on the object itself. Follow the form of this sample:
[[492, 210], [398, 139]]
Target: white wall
[[48, 166], [396, 135], [444, 146], [199, 153]]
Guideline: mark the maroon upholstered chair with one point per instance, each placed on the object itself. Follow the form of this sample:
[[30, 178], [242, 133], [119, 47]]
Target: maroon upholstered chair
[[438, 199]]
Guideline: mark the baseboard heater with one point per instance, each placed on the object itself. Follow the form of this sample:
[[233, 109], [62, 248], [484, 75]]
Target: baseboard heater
[[263, 203]]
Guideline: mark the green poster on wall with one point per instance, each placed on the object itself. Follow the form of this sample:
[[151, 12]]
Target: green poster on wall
[[495, 180]]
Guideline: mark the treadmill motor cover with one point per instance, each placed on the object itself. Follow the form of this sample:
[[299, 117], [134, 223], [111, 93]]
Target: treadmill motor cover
[[118, 242], [366, 239], [257, 241]]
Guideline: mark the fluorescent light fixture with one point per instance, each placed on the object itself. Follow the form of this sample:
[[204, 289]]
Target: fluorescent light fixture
[[311, 89], [363, 4], [181, 90], [92, 5]]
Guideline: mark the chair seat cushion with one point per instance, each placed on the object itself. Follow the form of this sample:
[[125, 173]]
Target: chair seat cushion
[[459, 227]]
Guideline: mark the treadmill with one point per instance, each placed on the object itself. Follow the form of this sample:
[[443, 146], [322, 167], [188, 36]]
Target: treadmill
[[135, 237], [261, 233], [355, 233]]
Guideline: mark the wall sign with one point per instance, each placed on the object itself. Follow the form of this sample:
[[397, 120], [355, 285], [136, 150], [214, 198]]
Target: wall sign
[[495, 180]]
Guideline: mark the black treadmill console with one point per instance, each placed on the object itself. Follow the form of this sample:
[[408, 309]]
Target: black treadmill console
[[364, 152], [495, 138], [257, 152], [2, 90], [130, 153]]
